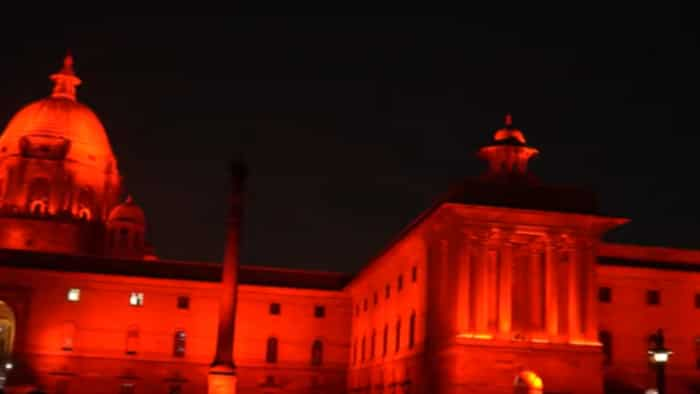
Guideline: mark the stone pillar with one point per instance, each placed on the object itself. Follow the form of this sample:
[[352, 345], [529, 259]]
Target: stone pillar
[[463, 286], [551, 292], [505, 288], [535, 278], [591, 322], [482, 301], [574, 295], [222, 372]]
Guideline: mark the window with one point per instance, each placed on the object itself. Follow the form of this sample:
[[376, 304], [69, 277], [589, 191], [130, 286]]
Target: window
[[653, 297], [414, 274], [136, 299], [399, 283], [376, 298], [605, 295], [73, 295], [605, 339], [319, 311], [132, 340], [68, 335], [123, 238], [354, 352], [412, 330], [179, 342], [697, 300], [362, 351], [372, 342], [398, 335], [275, 308], [697, 352], [364, 305], [183, 302], [175, 389], [127, 388], [317, 353], [387, 291], [62, 387], [386, 340], [271, 352]]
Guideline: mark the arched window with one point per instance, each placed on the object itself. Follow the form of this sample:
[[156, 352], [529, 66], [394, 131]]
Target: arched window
[[398, 335], [386, 340], [132, 340], [37, 207], [112, 238], [179, 343], [372, 343], [317, 353], [354, 352], [412, 330], [123, 238], [68, 335], [271, 352], [38, 191], [86, 202], [362, 353], [605, 338], [85, 214]]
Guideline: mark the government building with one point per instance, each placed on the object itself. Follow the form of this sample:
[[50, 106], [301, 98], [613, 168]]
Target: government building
[[504, 285]]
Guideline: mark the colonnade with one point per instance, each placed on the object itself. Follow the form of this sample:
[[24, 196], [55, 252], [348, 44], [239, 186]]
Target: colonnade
[[525, 285]]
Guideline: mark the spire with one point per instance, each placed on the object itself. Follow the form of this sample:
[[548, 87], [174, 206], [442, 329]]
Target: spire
[[129, 199], [509, 120], [65, 81]]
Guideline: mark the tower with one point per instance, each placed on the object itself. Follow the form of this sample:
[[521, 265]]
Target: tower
[[222, 373], [59, 182], [517, 256]]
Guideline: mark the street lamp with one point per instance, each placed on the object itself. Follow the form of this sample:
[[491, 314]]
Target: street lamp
[[659, 355]]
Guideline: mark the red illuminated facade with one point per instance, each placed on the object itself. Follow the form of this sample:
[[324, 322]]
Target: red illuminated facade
[[502, 286]]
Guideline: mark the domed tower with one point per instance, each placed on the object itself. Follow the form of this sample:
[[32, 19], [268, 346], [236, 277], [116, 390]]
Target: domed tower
[[508, 155], [58, 176], [126, 231]]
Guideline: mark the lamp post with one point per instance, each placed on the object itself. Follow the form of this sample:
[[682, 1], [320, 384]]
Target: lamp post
[[659, 355]]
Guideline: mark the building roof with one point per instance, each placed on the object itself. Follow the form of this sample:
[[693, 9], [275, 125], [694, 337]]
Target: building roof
[[58, 118], [653, 257], [178, 270]]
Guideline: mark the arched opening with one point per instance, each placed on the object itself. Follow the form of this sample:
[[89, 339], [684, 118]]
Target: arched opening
[[38, 196], [527, 382], [7, 336], [37, 207], [7, 331], [317, 353]]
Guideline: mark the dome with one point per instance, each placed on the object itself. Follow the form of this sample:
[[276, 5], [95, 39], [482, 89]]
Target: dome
[[60, 120], [128, 211]]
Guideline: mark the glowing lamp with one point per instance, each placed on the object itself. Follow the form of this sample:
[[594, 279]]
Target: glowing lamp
[[8, 366], [660, 356]]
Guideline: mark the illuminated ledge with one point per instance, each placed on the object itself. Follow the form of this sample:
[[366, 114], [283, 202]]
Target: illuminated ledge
[[469, 335]]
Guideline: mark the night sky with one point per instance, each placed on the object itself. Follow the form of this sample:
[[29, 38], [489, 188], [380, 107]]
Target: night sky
[[353, 125]]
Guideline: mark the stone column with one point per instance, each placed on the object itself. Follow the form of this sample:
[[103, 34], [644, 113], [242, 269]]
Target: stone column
[[551, 294], [222, 377], [482, 301], [463, 285], [591, 322], [574, 295], [535, 278], [505, 288]]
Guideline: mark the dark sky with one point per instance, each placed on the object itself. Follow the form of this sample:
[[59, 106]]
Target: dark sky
[[353, 125]]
